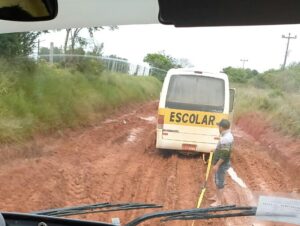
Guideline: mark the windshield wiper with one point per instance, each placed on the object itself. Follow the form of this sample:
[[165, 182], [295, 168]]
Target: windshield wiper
[[197, 214], [95, 208], [233, 212]]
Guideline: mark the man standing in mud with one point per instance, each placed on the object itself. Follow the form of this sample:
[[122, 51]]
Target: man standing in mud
[[221, 160]]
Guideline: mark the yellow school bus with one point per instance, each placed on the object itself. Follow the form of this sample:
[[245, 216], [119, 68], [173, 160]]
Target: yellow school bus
[[191, 104]]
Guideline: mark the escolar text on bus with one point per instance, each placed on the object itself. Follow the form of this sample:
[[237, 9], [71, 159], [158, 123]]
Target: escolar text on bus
[[192, 118]]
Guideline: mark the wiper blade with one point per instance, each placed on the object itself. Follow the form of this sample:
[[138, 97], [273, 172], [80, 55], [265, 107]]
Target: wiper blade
[[196, 214], [95, 208]]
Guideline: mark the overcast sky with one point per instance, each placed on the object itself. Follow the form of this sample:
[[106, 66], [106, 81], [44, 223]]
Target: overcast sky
[[207, 48]]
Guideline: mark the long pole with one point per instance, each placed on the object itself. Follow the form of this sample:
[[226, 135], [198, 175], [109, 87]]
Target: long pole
[[287, 47], [244, 61]]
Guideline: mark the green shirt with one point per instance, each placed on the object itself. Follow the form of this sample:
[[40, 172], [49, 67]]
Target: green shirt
[[223, 150]]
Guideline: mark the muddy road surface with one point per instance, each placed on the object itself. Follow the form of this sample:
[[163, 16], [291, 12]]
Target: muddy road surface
[[116, 161]]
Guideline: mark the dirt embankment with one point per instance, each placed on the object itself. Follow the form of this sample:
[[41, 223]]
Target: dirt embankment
[[281, 148], [115, 161]]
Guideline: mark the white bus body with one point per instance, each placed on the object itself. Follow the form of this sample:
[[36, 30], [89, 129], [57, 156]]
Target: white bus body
[[191, 104]]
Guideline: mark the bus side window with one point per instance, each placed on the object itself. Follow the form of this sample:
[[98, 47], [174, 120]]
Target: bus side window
[[232, 95]]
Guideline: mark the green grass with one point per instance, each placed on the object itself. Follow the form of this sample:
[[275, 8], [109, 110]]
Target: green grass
[[282, 109], [276, 94], [41, 99]]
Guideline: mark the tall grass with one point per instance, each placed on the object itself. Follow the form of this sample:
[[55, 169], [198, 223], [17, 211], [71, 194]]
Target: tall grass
[[40, 98], [281, 109]]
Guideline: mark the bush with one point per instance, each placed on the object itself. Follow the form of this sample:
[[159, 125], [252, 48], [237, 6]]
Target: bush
[[266, 104], [84, 65], [285, 80], [89, 66], [275, 93], [51, 98], [21, 65], [282, 109], [240, 75]]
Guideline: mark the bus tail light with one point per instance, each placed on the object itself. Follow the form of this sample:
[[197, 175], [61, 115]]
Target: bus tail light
[[160, 121], [189, 147]]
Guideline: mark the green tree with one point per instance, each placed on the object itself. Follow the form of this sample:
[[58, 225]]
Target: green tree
[[240, 75], [97, 50], [161, 63], [117, 57], [18, 44], [77, 51], [160, 60], [73, 37], [46, 51]]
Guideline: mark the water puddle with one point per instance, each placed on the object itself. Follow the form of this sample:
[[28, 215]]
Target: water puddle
[[149, 119], [133, 135], [107, 121], [236, 178]]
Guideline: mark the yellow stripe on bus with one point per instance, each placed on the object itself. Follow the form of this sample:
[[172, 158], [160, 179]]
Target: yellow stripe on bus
[[191, 118]]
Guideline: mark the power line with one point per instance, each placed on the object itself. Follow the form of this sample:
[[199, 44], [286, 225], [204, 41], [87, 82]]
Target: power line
[[287, 47], [244, 61]]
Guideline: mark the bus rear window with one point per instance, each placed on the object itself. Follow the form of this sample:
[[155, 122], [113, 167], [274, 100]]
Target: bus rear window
[[198, 93]]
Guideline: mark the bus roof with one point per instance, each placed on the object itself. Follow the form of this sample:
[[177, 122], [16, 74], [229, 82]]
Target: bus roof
[[197, 71]]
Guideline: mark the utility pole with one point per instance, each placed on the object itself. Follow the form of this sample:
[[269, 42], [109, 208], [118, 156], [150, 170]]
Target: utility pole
[[38, 42], [287, 47], [244, 61]]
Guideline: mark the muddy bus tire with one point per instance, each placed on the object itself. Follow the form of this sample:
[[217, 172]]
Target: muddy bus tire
[[165, 153], [191, 154]]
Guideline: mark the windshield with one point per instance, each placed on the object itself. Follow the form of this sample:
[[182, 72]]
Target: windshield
[[199, 93], [82, 121]]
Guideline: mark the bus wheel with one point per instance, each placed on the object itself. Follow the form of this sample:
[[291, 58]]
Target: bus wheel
[[189, 153]]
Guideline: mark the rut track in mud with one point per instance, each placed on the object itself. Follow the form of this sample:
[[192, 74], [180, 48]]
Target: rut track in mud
[[115, 161]]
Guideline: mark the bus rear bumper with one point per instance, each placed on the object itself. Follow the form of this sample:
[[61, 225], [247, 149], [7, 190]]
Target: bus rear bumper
[[179, 145]]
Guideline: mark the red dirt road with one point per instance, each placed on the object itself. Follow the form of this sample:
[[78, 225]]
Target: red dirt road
[[115, 161]]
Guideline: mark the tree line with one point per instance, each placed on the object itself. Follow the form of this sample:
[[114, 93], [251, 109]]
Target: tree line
[[24, 44]]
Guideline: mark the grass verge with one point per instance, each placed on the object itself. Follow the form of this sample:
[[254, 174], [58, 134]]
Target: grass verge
[[40, 98], [281, 109]]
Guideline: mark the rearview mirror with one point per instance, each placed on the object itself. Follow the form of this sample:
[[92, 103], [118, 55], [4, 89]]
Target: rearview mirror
[[28, 10]]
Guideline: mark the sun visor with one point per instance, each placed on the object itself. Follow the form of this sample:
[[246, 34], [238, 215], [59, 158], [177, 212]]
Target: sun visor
[[190, 13]]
